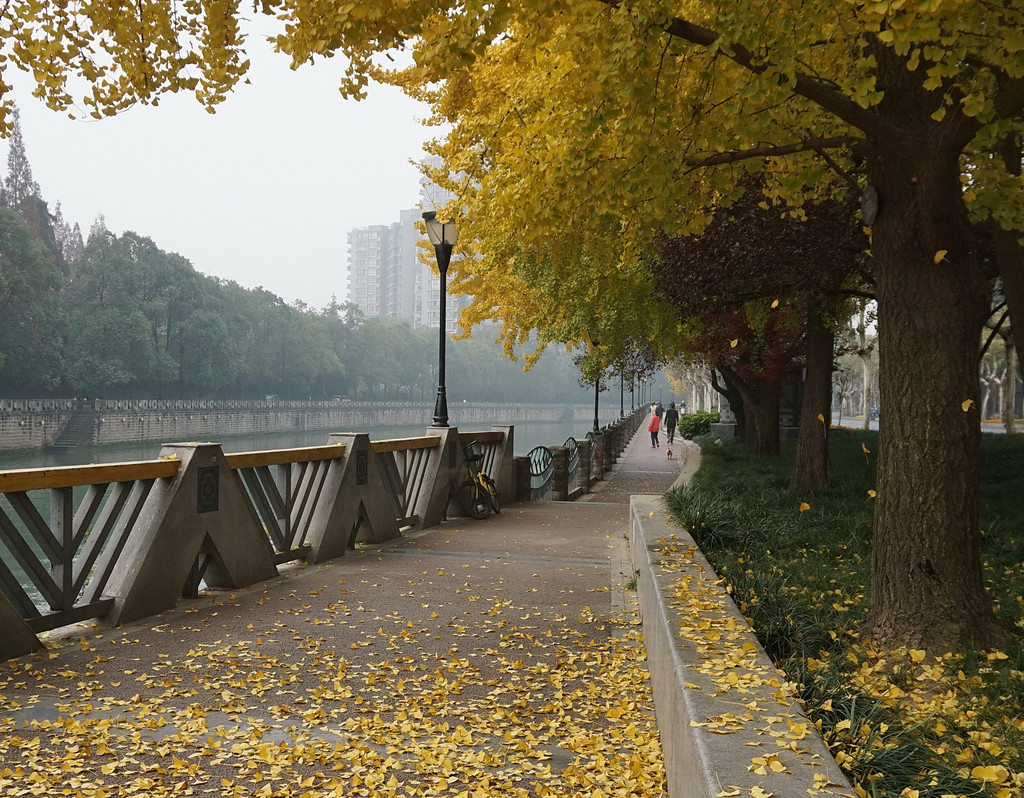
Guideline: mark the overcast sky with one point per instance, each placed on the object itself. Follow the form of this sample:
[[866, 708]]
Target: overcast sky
[[264, 192]]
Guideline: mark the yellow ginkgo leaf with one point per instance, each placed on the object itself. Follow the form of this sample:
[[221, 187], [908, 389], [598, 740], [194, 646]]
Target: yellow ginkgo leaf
[[864, 448], [804, 506], [775, 304], [965, 405], [757, 792], [990, 774], [940, 255], [872, 494], [729, 792], [916, 655], [733, 342], [821, 418]]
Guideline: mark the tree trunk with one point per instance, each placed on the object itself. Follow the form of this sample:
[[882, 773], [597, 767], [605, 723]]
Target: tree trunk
[[1010, 388], [927, 589], [760, 401], [732, 394], [811, 469]]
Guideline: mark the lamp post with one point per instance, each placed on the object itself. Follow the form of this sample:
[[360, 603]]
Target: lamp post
[[443, 236], [597, 395]]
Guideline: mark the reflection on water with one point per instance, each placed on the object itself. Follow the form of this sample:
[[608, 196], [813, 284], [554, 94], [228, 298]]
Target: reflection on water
[[528, 434]]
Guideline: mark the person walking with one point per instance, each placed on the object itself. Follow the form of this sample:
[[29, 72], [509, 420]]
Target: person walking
[[653, 428], [671, 419]]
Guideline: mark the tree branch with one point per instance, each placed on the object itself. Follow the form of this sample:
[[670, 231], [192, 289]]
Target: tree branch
[[732, 156], [817, 91]]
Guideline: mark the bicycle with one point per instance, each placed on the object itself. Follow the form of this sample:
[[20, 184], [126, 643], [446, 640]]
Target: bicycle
[[478, 495]]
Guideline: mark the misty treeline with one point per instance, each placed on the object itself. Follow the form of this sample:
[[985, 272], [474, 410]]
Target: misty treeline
[[115, 316]]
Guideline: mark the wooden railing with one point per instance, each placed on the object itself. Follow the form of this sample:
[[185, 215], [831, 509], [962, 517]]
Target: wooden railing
[[404, 465], [66, 546], [284, 499]]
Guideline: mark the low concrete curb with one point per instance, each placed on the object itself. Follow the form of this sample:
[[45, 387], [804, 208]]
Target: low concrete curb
[[730, 725]]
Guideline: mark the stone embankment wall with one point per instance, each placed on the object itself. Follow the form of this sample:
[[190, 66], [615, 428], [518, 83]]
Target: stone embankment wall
[[29, 424], [32, 423]]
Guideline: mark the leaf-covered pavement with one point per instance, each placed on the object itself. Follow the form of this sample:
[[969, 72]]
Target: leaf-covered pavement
[[471, 661]]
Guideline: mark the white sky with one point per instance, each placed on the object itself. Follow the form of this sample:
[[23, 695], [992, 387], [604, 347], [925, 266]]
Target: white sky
[[264, 192]]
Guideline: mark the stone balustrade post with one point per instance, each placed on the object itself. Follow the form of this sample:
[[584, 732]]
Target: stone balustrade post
[[560, 477], [521, 466], [584, 450], [600, 467]]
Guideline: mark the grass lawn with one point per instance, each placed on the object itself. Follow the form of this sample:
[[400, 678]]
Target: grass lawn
[[900, 723]]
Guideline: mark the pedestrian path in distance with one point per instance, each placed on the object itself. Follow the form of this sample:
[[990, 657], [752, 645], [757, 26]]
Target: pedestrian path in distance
[[644, 470]]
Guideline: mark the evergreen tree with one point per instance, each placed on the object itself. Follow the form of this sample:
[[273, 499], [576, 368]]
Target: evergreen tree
[[98, 228], [69, 238], [19, 184]]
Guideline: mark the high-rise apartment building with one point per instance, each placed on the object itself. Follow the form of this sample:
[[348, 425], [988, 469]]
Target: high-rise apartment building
[[368, 251], [385, 275]]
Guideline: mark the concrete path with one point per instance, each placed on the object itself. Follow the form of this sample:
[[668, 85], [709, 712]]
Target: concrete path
[[478, 658]]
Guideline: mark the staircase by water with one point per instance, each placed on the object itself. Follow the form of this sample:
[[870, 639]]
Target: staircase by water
[[79, 431]]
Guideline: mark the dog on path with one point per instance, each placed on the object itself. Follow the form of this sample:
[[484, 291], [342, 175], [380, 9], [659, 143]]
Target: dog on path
[[668, 452]]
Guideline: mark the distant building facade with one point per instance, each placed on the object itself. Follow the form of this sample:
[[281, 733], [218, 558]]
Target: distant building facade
[[385, 275]]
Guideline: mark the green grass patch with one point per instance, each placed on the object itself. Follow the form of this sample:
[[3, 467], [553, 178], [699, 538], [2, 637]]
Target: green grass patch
[[940, 724]]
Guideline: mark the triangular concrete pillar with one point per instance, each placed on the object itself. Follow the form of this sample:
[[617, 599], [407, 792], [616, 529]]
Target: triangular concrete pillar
[[16, 637], [204, 500], [355, 500], [443, 470]]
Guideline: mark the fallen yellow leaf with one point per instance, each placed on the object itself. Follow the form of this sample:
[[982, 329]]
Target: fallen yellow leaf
[[940, 255], [733, 342], [995, 774], [965, 405], [804, 506]]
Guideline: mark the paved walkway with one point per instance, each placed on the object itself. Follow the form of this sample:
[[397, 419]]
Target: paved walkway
[[478, 658]]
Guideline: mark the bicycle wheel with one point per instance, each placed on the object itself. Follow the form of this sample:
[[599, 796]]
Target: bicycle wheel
[[492, 493], [473, 499]]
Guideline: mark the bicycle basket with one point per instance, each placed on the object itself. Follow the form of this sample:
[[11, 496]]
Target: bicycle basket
[[473, 453]]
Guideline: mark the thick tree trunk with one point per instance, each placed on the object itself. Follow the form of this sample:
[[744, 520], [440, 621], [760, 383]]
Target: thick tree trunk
[[761, 399], [927, 589], [732, 395], [811, 469]]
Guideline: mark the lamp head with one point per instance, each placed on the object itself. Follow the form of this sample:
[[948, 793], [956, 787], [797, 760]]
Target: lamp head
[[440, 232]]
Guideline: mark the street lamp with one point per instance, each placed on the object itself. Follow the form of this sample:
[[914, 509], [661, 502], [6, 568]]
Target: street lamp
[[443, 236]]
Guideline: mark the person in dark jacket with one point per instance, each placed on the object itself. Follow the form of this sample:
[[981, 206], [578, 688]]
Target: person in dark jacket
[[671, 419]]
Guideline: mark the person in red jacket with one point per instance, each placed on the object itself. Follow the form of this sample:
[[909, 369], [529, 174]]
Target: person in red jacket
[[653, 428]]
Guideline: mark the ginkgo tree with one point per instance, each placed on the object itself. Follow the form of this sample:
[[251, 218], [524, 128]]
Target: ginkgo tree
[[611, 120]]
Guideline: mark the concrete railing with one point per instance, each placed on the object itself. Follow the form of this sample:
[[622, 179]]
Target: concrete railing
[[729, 722], [569, 471], [128, 540]]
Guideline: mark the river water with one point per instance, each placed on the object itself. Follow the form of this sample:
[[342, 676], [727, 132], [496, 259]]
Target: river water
[[528, 434]]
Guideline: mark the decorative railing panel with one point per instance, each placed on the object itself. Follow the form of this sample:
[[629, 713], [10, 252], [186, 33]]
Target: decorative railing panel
[[66, 561], [572, 461], [542, 472], [490, 446], [403, 465], [285, 498], [593, 454]]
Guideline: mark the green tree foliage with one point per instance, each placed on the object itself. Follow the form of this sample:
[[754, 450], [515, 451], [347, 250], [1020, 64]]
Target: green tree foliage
[[30, 311], [19, 184]]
